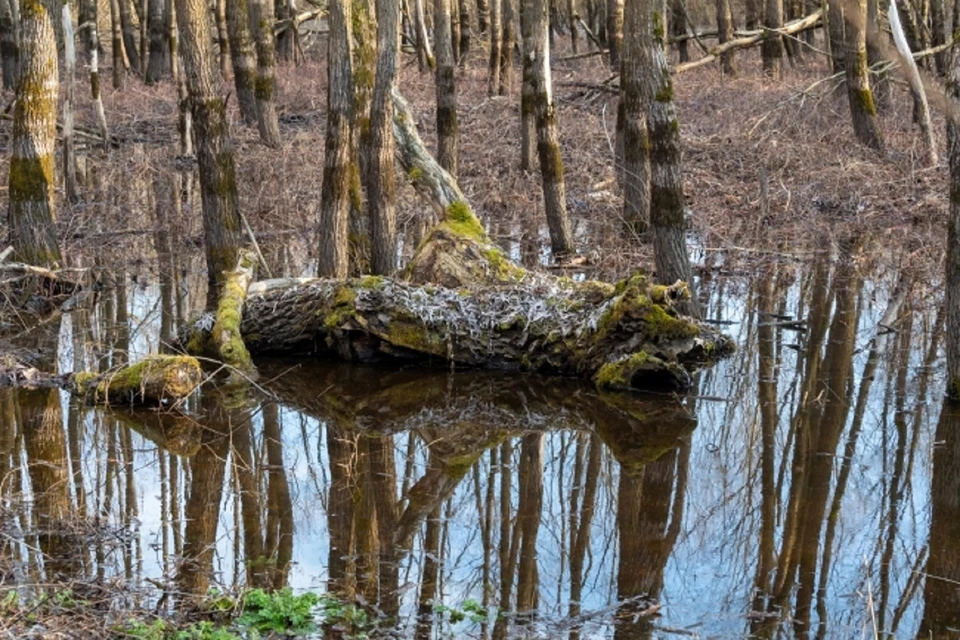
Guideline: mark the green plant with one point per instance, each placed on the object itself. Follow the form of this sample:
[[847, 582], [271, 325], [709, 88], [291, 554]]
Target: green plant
[[279, 612], [205, 630], [470, 610]]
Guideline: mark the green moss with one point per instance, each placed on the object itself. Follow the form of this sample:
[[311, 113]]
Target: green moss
[[659, 31], [412, 335], [31, 179], [865, 96], [415, 174], [178, 376], [460, 220], [504, 268], [665, 92], [372, 282], [343, 308], [618, 374]]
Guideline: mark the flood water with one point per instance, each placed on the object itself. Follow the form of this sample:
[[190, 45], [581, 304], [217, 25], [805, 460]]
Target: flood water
[[809, 486]]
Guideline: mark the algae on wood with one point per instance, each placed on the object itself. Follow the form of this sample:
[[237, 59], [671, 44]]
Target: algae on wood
[[154, 380]]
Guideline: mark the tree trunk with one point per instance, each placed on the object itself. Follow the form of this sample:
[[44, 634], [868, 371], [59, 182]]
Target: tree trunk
[[508, 15], [666, 181], [615, 31], [528, 97], [454, 29], [448, 134], [129, 34], [116, 42], [69, 104], [633, 138], [159, 52], [725, 34], [863, 110], [753, 14], [381, 189], [261, 21], [772, 49], [921, 107], [536, 72], [286, 10], [223, 234], [678, 29], [9, 45], [31, 187], [938, 33], [243, 58], [836, 27], [953, 231], [572, 25], [335, 196], [466, 31], [424, 53], [496, 45]]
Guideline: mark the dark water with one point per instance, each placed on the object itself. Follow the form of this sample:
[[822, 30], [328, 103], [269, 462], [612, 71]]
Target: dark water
[[809, 487]]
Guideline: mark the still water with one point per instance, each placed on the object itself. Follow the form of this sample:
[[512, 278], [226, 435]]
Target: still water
[[808, 487]]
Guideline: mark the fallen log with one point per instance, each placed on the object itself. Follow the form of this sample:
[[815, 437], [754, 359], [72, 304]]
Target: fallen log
[[756, 37], [154, 381]]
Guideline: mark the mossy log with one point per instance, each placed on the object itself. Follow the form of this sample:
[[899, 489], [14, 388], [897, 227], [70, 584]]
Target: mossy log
[[154, 381], [157, 380], [227, 341]]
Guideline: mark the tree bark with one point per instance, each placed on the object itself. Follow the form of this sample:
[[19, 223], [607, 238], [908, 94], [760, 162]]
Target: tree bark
[[528, 92], [243, 58], [381, 185], [9, 45], [424, 52], [536, 71], [496, 44], [261, 21], [335, 195], [725, 34], [634, 140], [69, 105], [836, 27], [129, 33], [31, 180], [952, 301], [448, 134], [466, 30], [223, 235], [678, 28], [754, 14], [159, 61], [863, 109], [772, 50], [509, 18], [615, 31], [116, 42]]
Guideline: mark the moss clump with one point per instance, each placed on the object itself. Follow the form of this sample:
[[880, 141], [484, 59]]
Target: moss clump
[[618, 374], [344, 306], [412, 335], [377, 283], [461, 221], [226, 328], [153, 379], [504, 269]]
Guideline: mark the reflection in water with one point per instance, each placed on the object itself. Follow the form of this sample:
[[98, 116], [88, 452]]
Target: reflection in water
[[793, 497]]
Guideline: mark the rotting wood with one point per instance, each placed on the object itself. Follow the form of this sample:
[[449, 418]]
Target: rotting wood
[[227, 342], [156, 381]]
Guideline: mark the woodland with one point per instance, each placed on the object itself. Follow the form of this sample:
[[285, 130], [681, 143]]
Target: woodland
[[546, 189]]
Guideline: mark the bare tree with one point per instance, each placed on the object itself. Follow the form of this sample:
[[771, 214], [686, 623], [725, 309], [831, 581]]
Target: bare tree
[[615, 31], [31, 185], [218, 187], [129, 30], [953, 229], [159, 58], [536, 67], [381, 189], [496, 43], [772, 48], [725, 34], [863, 109], [116, 41], [9, 43], [261, 22], [335, 197], [447, 130], [509, 18], [242, 57]]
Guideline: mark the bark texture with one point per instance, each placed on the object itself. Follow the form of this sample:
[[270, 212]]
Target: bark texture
[[447, 130], [335, 196], [953, 231], [31, 181], [261, 21], [536, 68], [632, 120], [863, 109], [9, 44], [725, 34], [615, 31], [159, 61], [243, 58], [381, 183], [772, 49], [223, 234]]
